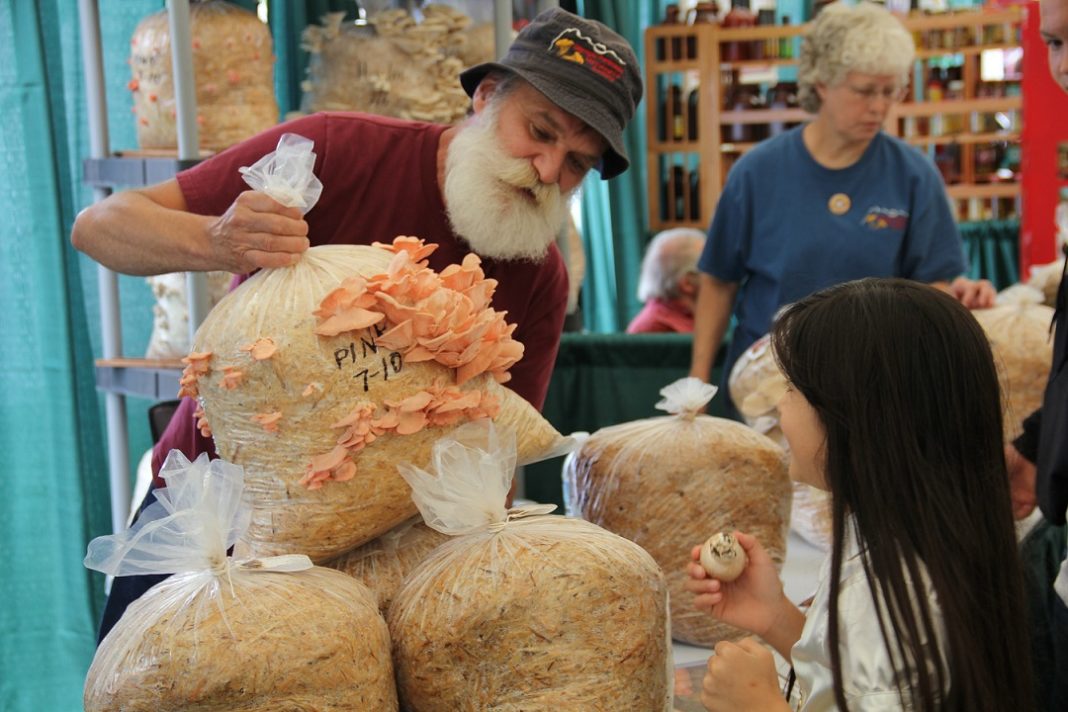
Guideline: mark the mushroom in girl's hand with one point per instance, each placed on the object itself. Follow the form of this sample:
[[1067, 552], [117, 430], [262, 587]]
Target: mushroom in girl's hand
[[723, 557]]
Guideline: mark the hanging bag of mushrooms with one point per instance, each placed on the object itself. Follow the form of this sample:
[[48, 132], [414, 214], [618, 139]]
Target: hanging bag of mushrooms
[[522, 610], [667, 482], [261, 634], [233, 73], [318, 378]]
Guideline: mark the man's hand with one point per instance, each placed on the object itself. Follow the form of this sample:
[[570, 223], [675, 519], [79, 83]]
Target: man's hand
[[258, 232], [741, 677], [973, 294], [1022, 475]]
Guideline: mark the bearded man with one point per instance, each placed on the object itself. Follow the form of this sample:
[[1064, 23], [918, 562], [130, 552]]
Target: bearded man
[[497, 185]]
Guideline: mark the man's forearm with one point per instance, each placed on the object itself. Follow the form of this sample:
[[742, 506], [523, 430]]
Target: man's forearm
[[132, 234]]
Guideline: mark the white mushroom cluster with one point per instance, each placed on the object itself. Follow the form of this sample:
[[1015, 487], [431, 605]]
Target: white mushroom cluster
[[393, 65]]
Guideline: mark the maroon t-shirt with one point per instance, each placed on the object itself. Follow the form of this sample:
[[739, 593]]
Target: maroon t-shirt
[[379, 180]]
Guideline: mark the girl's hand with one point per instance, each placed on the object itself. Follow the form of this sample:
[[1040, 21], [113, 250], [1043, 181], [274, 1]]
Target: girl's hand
[[741, 676], [752, 602]]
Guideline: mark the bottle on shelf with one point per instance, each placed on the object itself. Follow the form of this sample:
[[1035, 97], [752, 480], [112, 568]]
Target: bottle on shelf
[[769, 48], [786, 44], [692, 102], [672, 124], [935, 91], [678, 117], [679, 186], [671, 17], [947, 160], [701, 13], [739, 16], [695, 194]]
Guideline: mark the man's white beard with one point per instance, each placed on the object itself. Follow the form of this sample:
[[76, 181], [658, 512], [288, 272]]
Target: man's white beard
[[495, 202]]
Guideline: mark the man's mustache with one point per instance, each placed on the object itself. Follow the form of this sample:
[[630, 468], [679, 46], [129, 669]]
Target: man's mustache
[[520, 174]]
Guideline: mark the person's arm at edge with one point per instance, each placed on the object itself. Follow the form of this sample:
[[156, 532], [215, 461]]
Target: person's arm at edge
[[150, 231], [715, 302]]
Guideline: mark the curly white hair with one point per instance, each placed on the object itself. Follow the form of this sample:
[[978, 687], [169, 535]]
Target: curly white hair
[[843, 38]]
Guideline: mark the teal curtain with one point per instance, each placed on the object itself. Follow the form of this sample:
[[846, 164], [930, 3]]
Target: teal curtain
[[53, 495], [614, 213], [993, 249]]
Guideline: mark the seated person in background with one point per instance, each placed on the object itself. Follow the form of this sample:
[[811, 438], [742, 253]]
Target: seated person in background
[[668, 283]]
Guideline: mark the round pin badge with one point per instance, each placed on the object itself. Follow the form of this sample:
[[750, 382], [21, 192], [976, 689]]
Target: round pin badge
[[839, 204]]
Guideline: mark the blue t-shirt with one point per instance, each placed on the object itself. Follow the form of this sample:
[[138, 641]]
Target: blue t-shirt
[[775, 232]]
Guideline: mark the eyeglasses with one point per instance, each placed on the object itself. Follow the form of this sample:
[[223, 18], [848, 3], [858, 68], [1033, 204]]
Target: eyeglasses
[[871, 93]]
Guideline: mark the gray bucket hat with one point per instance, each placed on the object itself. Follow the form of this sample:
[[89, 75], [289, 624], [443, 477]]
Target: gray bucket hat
[[583, 67]]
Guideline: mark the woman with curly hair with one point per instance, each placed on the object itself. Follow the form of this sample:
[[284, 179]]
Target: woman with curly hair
[[832, 200]]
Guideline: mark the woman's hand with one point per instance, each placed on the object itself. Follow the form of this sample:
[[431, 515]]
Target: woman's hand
[[740, 677], [752, 601], [974, 294]]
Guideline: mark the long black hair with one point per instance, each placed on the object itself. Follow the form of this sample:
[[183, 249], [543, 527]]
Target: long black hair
[[904, 382]]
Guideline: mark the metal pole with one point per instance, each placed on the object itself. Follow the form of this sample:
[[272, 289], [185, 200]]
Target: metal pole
[[502, 26], [107, 281], [185, 101]]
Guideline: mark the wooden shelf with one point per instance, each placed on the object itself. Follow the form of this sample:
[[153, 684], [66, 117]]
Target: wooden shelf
[[764, 116], [968, 50], [967, 18], [963, 138], [983, 190], [675, 147], [986, 105], [155, 379], [674, 65], [737, 147], [706, 46]]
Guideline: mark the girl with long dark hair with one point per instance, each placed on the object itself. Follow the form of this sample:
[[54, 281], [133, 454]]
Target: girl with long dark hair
[[893, 407]]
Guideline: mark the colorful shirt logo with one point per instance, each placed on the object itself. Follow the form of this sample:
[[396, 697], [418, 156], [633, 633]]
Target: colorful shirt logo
[[573, 46], [885, 218]]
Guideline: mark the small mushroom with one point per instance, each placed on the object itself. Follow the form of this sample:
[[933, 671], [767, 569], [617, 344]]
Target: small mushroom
[[723, 557]]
